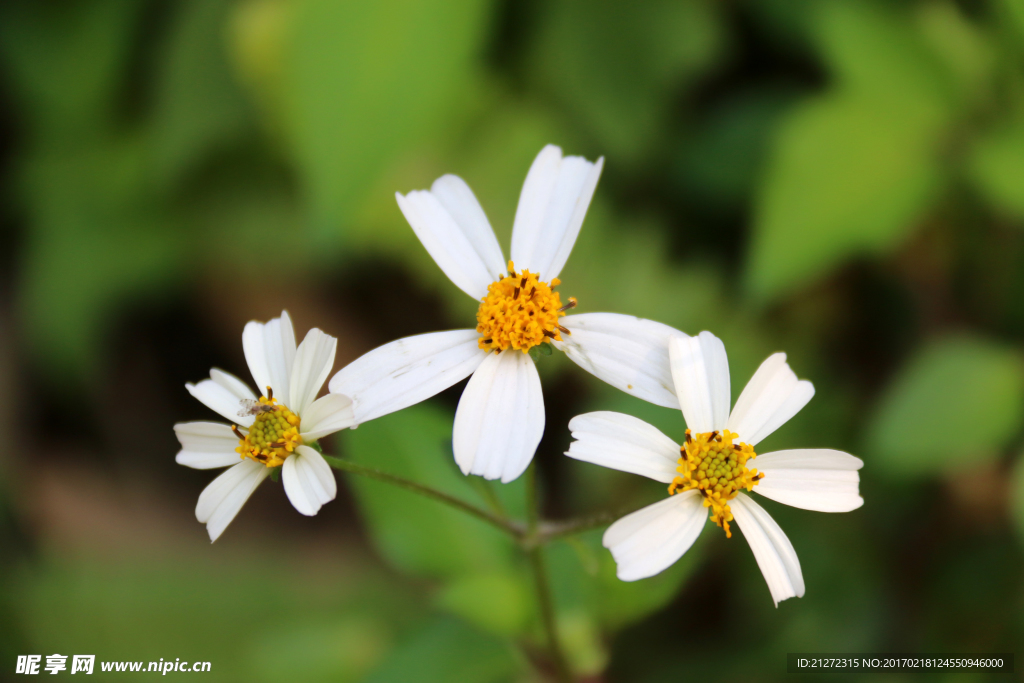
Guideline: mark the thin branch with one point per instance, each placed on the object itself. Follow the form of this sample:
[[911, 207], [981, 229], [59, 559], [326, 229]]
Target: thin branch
[[540, 577], [509, 527]]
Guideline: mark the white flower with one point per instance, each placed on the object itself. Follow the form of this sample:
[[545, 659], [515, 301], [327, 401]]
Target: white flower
[[500, 417], [273, 430], [714, 468]]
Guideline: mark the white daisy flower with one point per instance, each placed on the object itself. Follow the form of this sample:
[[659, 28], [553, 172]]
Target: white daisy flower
[[268, 431], [713, 467], [500, 418]]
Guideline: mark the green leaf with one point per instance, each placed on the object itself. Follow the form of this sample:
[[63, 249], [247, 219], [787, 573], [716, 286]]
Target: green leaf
[[956, 402], [67, 60], [848, 176], [498, 602], [618, 70], [583, 578], [198, 106], [446, 650], [96, 236], [416, 534], [853, 171], [364, 82], [996, 166]]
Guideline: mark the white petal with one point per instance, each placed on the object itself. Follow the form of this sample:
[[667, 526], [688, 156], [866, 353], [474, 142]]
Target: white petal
[[700, 371], [462, 205], [221, 500], [500, 418], [308, 480], [326, 415], [270, 352], [649, 541], [627, 352], [455, 232], [772, 550], [813, 479], [625, 443], [407, 371], [771, 397], [206, 445], [223, 393], [313, 362], [554, 200]]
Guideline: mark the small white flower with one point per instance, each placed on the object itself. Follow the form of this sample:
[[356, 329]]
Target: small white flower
[[273, 430], [713, 469], [500, 417]]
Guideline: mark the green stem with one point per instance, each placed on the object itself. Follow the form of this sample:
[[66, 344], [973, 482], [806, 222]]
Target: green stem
[[550, 531], [540, 577], [511, 528]]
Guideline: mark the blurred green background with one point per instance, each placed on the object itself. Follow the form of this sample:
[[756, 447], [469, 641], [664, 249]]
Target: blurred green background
[[840, 180]]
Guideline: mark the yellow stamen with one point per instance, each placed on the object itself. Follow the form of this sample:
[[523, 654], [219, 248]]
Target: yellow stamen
[[712, 464], [273, 436], [520, 312]]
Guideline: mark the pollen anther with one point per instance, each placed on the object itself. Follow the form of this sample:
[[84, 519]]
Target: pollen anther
[[712, 464], [273, 435], [508, 318]]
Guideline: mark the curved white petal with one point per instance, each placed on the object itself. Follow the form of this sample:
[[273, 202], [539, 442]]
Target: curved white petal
[[623, 442], [700, 371], [454, 230], [772, 396], [221, 500], [206, 445], [813, 479], [407, 371], [224, 394], [552, 205], [500, 418], [313, 362], [462, 205], [326, 415], [627, 352], [308, 480], [772, 550], [649, 541], [270, 352]]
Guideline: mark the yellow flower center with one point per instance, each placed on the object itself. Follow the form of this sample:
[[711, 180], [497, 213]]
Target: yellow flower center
[[717, 467], [520, 312], [272, 436]]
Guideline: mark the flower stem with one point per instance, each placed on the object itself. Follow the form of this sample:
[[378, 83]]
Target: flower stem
[[513, 529], [544, 598]]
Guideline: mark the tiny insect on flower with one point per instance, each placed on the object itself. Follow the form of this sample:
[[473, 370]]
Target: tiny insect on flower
[[269, 433]]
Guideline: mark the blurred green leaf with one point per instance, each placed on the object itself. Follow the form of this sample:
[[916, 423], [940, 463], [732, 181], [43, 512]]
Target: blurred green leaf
[[618, 70], [583, 577], [67, 60], [996, 166], [198, 106], [416, 534], [853, 171], [330, 627], [848, 176], [964, 50], [501, 603], [876, 49], [446, 650], [96, 237], [722, 159], [364, 82], [957, 401]]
